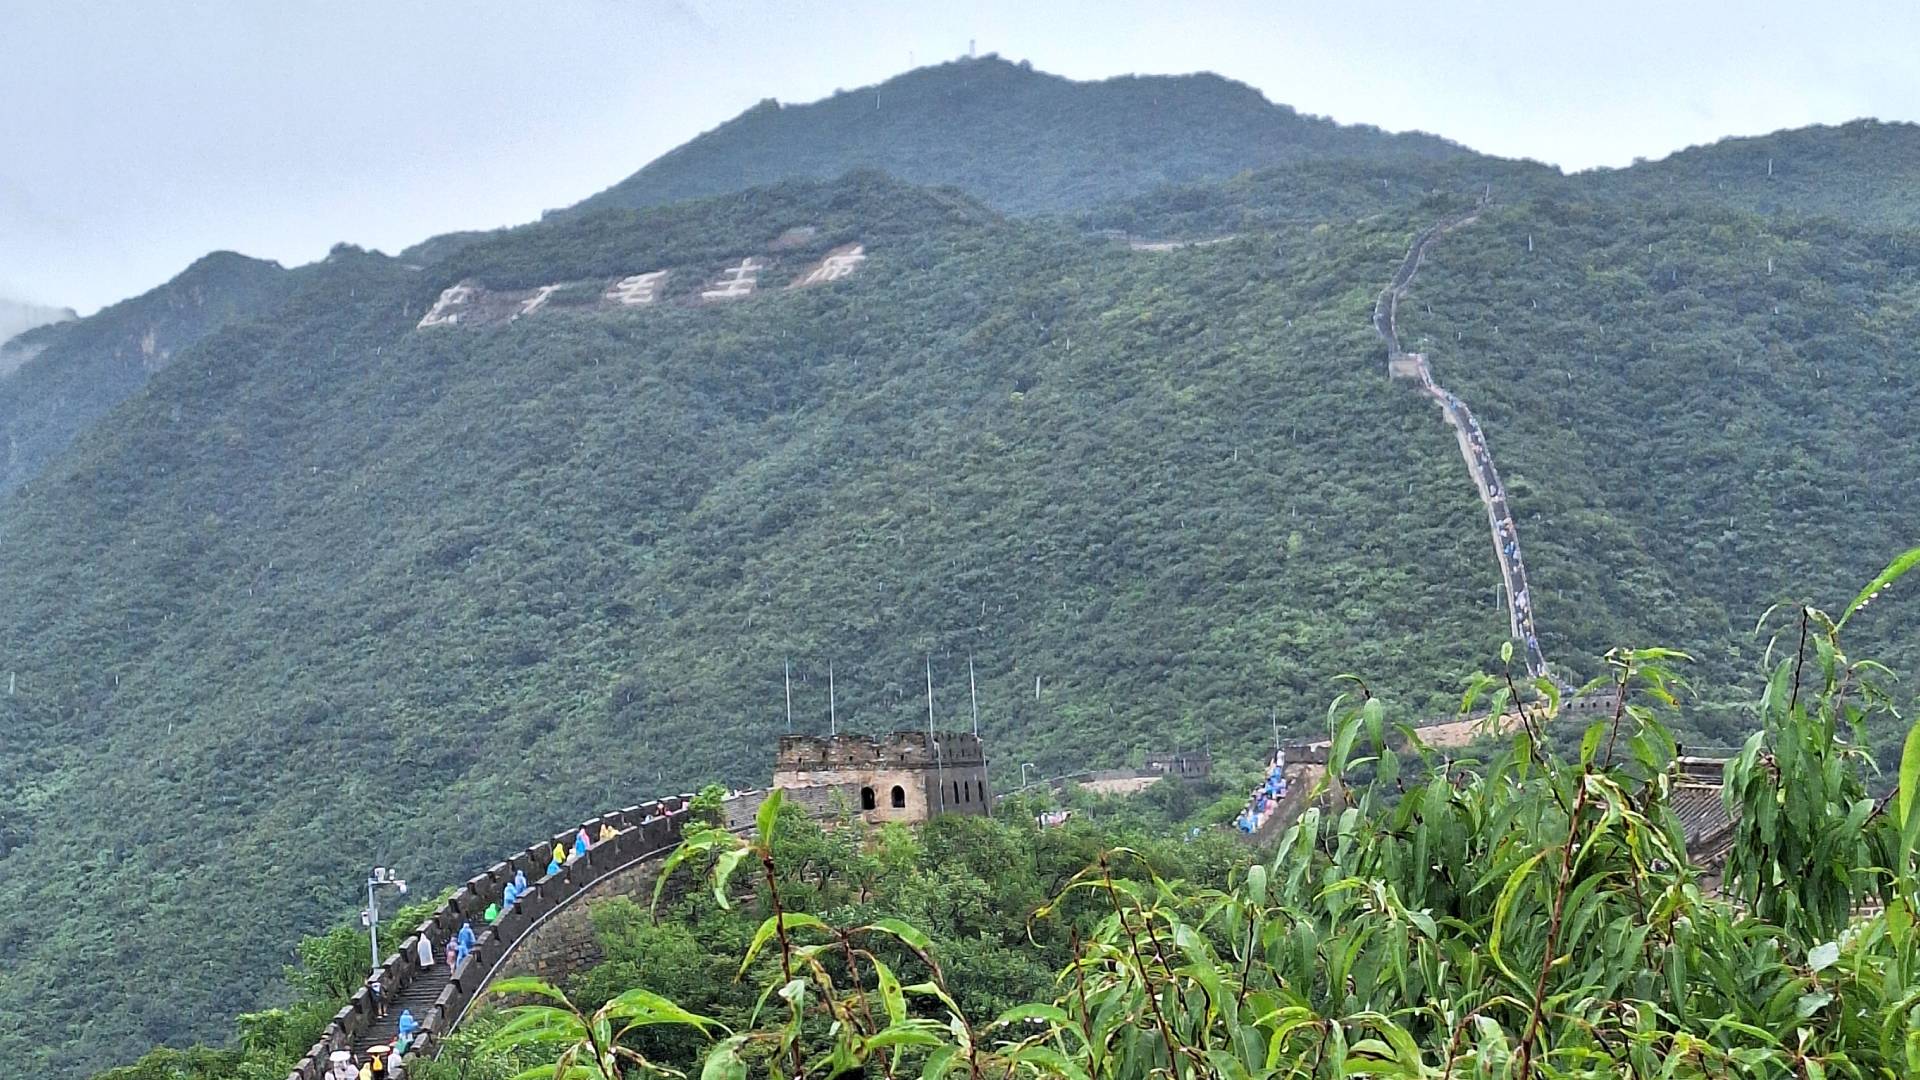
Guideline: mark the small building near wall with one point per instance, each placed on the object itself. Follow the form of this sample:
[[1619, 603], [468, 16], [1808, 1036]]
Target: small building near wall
[[1187, 765], [905, 776]]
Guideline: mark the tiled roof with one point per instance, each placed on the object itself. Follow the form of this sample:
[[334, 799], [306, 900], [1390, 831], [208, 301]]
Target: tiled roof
[[1703, 820]]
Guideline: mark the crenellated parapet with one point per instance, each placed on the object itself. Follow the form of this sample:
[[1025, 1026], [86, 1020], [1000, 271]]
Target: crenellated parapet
[[897, 750]]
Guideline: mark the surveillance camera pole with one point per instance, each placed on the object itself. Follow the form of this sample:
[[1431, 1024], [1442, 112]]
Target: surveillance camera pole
[[380, 876]]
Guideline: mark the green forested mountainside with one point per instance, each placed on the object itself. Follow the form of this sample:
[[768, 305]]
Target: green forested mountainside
[[80, 370], [1866, 171], [1681, 403], [1313, 192], [1020, 139], [349, 592]]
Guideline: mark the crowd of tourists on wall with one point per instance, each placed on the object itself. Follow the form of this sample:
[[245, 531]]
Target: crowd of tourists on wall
[[1266, 798], [385, 1061], [381, 1063]]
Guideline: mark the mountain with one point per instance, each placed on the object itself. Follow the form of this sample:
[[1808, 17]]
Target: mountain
[[401, 561], [70, 374], [17, 318], [338, 589], [1022, 140], [1867, 172]]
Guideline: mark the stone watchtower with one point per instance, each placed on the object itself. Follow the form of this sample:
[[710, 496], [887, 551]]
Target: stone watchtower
[[905, 776]]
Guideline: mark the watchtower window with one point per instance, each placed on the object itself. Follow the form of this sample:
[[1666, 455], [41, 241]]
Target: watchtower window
[[981, 787], [899, 796], [866, 798], [956, 791]]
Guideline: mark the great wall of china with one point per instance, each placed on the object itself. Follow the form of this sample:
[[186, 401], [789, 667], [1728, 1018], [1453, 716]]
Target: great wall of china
[[1472, 440], [547, 931], [1303, 765], [440, 997]]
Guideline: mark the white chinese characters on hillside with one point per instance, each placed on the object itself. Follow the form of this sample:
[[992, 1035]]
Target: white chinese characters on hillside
[[443, 312], [736, 281], [537, 301], [637, 289], [471, 303], [839, 263]]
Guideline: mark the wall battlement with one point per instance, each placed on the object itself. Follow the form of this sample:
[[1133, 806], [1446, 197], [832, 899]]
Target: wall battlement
[[898, 750]]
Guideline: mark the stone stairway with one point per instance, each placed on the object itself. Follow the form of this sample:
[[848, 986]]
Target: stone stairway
[[418, 995]]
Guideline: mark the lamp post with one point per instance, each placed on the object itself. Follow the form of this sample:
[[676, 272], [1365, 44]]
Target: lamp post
[[381, 877], [1024, 766]]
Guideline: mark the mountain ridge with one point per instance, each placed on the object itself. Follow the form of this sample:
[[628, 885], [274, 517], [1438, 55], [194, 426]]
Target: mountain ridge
[[332, 589]]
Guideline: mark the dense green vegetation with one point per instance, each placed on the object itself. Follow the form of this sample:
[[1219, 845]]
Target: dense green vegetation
[[1865, 172], [80, 370], [330, 591], [1020, 139], [265, 1045], [343, 574], [1529, 916]]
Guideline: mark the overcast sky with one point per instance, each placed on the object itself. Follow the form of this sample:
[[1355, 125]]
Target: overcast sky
[[137, 135]]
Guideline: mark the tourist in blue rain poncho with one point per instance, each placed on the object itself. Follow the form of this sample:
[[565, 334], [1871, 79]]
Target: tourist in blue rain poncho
[[519, 883], [581, 844], [553, 867], [465, 940], [408, 1025]]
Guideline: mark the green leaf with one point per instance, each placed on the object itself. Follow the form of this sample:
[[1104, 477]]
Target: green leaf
[[769, 813], [890, 994], [723, 869], [1821, 957], [724, 1061], [904, 931], [939, 1063], [1909, 772], [907, 1033], [793, 920], [1590, 742], [1502, 906], [527, 984], [1895, 571], [642, 1007]]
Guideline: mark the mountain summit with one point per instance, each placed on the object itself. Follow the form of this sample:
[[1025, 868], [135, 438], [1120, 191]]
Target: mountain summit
[[1022, 140]]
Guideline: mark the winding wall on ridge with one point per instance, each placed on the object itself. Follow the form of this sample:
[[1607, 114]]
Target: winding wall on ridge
[[1473, 441], [543, 931]]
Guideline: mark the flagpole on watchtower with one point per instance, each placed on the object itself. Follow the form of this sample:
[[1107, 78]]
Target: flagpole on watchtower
[[789, 695], [973, 692], [833, 714], [939, 759]]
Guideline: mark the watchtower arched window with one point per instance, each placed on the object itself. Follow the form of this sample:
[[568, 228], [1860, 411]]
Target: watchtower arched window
[[899, 797], [866, 799], [981, 787]]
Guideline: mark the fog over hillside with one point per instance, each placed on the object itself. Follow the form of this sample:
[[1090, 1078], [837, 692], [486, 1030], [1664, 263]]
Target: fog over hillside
[[17, 318]]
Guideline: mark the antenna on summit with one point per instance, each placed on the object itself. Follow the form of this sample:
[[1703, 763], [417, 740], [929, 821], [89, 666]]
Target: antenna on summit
[[969, 48]]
